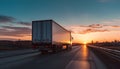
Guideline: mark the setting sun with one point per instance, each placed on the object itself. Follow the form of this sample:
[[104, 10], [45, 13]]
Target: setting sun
[[84, 43]]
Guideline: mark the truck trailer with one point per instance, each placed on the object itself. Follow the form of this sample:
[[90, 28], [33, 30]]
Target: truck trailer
[[49, 36]]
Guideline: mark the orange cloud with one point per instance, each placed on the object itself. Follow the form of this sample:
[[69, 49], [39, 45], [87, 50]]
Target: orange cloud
[[95, 26], [116, 26], [92, 30], [95, 32], [84, 29], [15, 31]]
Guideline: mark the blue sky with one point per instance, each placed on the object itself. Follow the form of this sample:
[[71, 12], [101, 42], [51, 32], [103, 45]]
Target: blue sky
[[84, 18], [63, 11]]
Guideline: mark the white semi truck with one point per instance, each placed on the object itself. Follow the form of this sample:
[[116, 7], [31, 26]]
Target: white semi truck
[[49, 36]]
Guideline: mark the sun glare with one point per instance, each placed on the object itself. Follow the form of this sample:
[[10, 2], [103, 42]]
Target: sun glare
[[84, 43]]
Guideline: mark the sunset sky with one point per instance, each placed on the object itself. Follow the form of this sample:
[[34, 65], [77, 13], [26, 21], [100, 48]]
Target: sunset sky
[[97, 20]]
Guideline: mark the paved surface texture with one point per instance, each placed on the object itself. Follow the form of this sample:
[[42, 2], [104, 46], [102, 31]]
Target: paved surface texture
[[85, 59], [16, 52], [80, 57]]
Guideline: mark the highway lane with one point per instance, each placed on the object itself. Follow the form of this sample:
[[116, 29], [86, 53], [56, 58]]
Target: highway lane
[[85, 59], [78, 58], [4, 54]]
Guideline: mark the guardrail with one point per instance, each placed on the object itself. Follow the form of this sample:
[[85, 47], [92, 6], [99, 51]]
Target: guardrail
[[115, 54]]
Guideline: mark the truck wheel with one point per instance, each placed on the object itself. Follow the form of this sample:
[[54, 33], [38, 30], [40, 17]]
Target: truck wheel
[[69, 47]]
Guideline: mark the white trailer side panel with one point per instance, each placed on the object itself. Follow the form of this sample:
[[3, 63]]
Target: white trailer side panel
[[60, 35]]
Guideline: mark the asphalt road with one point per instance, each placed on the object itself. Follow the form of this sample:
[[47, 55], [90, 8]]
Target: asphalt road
[[4, 54], [80, 57]]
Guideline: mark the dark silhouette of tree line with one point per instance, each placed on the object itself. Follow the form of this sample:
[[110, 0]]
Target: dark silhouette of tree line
[[113, 44], [13, 45]]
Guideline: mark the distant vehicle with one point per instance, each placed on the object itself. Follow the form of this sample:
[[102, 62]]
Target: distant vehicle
[[49, 36]]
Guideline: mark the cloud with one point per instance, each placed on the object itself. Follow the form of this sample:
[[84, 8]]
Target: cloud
[[11, 28], [15, 31], [92, 26], [84, 29], [25, 23], [5, 19], [92, 30], [100, 25], [87, 30], [8, 39], [95, 26], [12, 20], [115, 26]]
